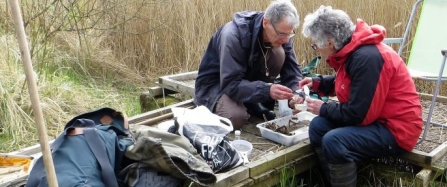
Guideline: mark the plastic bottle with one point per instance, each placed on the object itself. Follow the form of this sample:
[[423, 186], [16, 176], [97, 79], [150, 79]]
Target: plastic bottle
[[237, 135], [283, 106]]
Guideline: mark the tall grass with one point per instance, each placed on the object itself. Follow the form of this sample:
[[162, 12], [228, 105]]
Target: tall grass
[[92, 53]]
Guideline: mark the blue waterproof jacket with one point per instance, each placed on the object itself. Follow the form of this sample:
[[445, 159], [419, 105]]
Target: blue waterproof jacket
[[231, 65]]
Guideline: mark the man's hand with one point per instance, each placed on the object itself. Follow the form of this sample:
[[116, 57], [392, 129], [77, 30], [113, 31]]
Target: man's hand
[[306, 81], [279, 92], [296, 100], [314, 105]]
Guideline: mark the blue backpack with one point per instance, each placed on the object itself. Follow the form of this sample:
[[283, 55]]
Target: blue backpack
[[89, 152]]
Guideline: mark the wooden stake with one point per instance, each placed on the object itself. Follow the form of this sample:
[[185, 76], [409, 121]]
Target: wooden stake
[[34, 95]]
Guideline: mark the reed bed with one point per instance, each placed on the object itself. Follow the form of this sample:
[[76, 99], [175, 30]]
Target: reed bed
[[171, 36]]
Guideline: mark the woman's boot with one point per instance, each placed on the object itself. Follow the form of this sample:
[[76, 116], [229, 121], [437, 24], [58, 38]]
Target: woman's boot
[[323, 163], [343, 175]]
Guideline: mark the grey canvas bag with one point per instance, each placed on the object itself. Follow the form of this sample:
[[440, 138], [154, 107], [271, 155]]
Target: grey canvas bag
[[139, 174], [168, 153]]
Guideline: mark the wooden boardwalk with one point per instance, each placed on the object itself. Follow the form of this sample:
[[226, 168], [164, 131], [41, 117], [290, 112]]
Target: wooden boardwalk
[[268, 160], [433, 162]]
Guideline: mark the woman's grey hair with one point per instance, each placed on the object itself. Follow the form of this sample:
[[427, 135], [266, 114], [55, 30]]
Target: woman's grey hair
[[280, 10], [327, 23]]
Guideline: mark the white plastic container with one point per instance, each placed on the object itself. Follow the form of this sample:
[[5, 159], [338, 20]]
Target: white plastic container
[[301, 107], [237, 134], [283, 108], [242, 146], [286, 140]]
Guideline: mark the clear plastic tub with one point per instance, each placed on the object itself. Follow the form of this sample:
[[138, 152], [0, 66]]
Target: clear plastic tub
[[287, 140]]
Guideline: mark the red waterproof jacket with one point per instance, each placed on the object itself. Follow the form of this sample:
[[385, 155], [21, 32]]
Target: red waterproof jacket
[[372, 84]]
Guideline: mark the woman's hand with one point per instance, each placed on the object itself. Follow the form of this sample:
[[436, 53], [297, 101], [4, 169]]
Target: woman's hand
[[314, 105], [306, 81]]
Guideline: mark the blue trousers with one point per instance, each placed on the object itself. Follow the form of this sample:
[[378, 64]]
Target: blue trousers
[[344, 144]]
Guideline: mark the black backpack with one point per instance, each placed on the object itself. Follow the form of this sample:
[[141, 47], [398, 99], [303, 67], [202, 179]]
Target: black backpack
[[90, 151]]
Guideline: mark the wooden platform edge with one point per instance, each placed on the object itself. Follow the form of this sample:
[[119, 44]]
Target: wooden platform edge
[[424, 177], [155, 91], [279, 158], [155, 113], [274, 175], [173, 82], [428, 97], [182, 76], [232, 177], [438, 152]]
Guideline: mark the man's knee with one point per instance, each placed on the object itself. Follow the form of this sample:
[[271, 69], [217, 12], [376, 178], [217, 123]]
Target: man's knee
[[238, 117], [235, 112]]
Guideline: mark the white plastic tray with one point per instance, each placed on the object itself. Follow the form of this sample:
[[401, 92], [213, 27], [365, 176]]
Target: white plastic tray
[[286, 140]]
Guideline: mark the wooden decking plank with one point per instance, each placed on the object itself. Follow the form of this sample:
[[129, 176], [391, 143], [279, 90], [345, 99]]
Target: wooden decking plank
[[290, 153], [15, 180], [274, 175], [264, 178], [29, 150], [251, 128], [440, 98], [279, 158], [156, 91], [232, 177], [438, 152], [417, 157], [424, 177], [182, 76], [177, 86], [155, 113], [183, 83], [306, 162], [258, 142], [244, 183]]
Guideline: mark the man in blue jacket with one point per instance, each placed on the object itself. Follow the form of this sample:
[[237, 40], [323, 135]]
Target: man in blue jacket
[[242, 60]]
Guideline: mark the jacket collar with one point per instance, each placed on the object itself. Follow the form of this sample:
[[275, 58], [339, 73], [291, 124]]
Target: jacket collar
[[362, 35]]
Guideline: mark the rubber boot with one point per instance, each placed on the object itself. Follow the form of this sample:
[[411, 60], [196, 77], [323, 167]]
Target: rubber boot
[[343, 175], [323, 163], [258, 110], [270, 105]]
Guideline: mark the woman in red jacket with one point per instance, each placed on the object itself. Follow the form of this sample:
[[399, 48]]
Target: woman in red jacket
[[379, 111]]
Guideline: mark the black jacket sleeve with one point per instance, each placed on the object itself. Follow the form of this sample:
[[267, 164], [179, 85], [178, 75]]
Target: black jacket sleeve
[[324, 85], [364, 68]]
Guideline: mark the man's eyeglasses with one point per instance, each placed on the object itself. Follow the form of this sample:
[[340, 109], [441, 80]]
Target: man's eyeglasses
[[283, 34], [314, 47]]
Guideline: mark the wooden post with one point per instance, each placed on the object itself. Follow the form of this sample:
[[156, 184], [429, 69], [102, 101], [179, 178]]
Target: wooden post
[[34, 95]]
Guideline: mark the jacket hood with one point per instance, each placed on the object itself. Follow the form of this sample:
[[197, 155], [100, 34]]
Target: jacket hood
[[363, 35], [249, 25]]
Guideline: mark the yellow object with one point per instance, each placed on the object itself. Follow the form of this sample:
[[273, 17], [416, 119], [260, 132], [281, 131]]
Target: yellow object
[[8, 161]]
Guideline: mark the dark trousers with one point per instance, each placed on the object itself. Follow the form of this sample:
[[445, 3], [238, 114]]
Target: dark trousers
[[345, 144]]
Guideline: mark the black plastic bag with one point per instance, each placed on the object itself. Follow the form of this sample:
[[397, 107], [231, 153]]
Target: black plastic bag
[[207, 133]]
